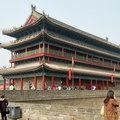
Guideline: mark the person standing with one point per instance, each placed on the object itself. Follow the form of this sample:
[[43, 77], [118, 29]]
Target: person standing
[[30, 85], [11, 87], [3, 106], [33, 88], [110, 106]]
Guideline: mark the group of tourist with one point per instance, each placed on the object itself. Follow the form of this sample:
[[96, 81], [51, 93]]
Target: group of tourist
[[32, 87], [61, 88]]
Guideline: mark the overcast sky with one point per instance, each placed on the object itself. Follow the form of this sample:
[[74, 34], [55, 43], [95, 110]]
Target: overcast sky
[[98, 17]]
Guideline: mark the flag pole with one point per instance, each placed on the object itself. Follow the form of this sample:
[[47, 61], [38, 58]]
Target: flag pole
[[114, 76], [72, 74], [114, 72]]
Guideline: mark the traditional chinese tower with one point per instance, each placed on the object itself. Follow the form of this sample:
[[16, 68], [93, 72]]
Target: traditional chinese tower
[[43, 50]]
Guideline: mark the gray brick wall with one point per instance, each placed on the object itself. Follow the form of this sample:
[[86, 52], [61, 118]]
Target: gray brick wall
[[58, 105]]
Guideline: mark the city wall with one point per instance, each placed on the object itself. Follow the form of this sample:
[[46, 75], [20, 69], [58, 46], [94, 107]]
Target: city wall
[[58, 105]]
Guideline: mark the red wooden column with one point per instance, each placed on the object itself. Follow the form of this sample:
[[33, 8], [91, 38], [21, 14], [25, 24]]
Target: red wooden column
[[4, 87], [106, 85], [67, 82], [90, 84], [53, 82], [43, 82], [21, 83], [79, 84], [35, 82]]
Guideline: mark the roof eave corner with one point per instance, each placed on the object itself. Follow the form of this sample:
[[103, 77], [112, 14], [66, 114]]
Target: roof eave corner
[[5, 32]]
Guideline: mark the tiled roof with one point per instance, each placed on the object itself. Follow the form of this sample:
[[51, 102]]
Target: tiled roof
[[58, 67], [61, 24], [20, 68], [81, 70], [17, 42], [81, 32]]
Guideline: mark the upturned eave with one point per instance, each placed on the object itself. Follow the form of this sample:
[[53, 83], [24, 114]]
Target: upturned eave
[[59, 24], [60, 68], [15, 30], [19, 42]]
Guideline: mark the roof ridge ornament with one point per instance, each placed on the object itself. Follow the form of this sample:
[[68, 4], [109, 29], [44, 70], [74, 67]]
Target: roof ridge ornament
[[33, 8], [43, 12]]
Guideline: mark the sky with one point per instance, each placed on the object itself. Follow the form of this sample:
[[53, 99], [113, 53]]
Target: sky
[[98, 17]]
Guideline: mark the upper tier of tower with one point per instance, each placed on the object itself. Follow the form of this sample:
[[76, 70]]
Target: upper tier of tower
[[38, 23]]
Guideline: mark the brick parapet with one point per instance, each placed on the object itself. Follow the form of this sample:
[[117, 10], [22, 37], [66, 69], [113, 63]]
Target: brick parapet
[[28, 95]]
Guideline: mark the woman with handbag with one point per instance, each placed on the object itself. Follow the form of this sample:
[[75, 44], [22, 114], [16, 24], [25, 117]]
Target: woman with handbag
[[110, 106], [3, 106]]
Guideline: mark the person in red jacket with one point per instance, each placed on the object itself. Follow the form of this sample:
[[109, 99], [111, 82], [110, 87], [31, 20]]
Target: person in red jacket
[[3, 106]]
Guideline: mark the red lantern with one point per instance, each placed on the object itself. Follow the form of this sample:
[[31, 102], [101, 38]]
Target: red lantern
[[70, 74], [112, 78]]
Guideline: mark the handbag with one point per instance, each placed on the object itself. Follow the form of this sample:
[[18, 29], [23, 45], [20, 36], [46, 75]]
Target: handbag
[[102, 111]]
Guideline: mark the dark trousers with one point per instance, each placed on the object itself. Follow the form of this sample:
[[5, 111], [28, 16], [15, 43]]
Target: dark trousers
[[3, 116]]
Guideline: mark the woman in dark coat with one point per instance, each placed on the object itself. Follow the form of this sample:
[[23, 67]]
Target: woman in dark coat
[[110, 104], [3, 106]]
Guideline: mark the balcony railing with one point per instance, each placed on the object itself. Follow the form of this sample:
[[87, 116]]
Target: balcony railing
[[59, 53], [81, 58], [69, 55], [33, 52], [55, 52], [18, 55], [80, 42]]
